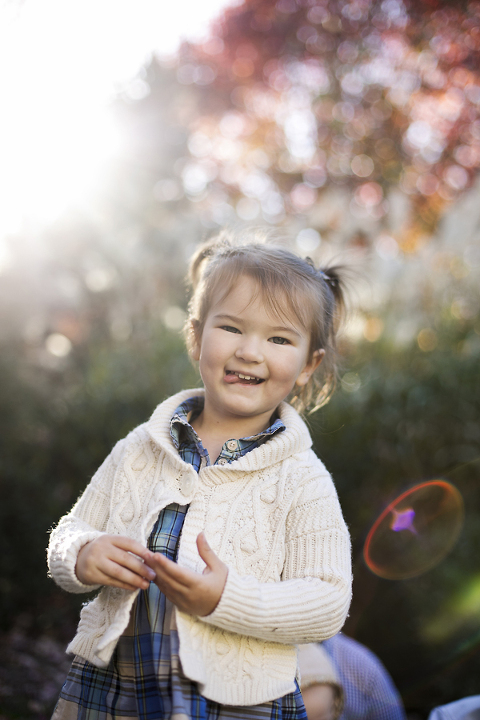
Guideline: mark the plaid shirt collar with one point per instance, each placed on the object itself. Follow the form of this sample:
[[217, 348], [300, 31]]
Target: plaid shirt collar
[[190, 446]]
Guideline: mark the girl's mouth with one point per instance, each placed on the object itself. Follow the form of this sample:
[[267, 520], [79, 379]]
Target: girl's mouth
[[236, 377]]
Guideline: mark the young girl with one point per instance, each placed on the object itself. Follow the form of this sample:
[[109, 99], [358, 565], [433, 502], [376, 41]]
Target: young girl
[[189, 628]]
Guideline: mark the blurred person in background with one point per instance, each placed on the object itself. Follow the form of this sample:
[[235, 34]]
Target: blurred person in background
[[321, 689], [467, 708], [360, 679]]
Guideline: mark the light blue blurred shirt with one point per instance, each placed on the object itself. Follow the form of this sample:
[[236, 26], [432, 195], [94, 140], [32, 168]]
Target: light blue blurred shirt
[[466, 709], [369, 691]]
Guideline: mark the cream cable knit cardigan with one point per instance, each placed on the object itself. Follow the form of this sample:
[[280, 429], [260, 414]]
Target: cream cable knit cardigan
[[272, 516]]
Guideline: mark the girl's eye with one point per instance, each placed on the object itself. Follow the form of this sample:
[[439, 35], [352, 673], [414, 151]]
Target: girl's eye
[[280, 341], [229, 328]]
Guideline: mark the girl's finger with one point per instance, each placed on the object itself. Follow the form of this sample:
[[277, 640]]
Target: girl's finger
[[105, 579], [168, 569], [206, 553], [131, 546], [118, 584], [132, 562], [119, 574], [179, 595], [169, 585], [211, 559]]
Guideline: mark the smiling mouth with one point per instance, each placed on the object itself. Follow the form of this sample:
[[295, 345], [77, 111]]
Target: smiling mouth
[[236, 377]]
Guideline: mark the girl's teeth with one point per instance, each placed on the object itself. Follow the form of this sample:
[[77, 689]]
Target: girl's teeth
[[247, 378]]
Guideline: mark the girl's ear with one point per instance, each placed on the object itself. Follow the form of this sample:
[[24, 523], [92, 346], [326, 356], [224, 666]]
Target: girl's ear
[[194, 340], [310, 367]]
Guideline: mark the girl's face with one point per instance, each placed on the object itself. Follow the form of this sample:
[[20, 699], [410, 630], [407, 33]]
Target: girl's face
[[249, 358]]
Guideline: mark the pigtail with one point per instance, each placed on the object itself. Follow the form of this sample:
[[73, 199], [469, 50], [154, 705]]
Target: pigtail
[[334, 277], [227, 243], [332, 288], [202, 256], [197, 280]]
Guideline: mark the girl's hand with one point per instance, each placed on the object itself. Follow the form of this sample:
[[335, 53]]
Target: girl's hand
[[189, 591], [114, 560]]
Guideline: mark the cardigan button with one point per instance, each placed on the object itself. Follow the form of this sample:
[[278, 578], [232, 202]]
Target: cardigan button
[[188, 483], [269, 495]]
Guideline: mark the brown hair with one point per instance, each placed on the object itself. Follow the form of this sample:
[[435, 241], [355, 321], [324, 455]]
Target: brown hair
[[288, 283]]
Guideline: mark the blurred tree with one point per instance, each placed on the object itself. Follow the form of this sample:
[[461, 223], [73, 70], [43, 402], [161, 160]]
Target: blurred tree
[[294, 96]]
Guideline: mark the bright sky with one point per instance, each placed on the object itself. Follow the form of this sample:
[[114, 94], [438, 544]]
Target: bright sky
[[60, 63]]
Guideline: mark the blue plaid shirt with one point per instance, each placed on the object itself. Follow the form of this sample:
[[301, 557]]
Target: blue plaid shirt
[[144, 679], [190, 446]]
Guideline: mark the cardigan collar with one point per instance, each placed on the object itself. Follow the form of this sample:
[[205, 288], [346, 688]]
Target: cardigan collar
[[295, 438]]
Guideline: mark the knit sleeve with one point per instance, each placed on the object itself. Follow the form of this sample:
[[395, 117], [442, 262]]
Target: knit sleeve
[[311, 601], [86, 521]]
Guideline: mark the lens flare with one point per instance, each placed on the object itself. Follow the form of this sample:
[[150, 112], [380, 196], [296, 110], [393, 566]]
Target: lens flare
[[415, 532]]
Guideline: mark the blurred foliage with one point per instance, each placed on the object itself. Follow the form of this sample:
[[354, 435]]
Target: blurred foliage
[[290, 96], [403, 417]]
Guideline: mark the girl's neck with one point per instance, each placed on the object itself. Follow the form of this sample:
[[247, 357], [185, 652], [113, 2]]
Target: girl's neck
[[214, 432]]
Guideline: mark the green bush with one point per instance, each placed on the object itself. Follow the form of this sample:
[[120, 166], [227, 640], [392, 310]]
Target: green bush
[[414, 417]]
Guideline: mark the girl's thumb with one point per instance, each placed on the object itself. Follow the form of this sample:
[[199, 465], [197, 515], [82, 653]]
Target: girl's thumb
[[205, 551]]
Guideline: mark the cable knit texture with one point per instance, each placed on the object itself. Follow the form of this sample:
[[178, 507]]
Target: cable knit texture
[[272, 516]]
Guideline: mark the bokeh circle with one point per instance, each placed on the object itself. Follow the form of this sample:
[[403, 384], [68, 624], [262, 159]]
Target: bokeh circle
[[415, 532]]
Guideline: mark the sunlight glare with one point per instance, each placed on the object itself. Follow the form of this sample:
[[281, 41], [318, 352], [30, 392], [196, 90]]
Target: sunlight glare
[[61, 63]]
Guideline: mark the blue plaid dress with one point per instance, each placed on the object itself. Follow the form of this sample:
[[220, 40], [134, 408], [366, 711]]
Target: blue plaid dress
[[144, 678]]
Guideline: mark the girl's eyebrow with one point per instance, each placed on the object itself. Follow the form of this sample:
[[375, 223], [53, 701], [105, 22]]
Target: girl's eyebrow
[[276, 328], [223, 316]]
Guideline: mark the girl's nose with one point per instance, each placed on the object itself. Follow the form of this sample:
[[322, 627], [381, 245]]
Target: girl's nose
[[249, 350]]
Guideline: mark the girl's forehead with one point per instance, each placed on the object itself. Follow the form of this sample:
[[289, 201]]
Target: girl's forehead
[[245, 291]]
